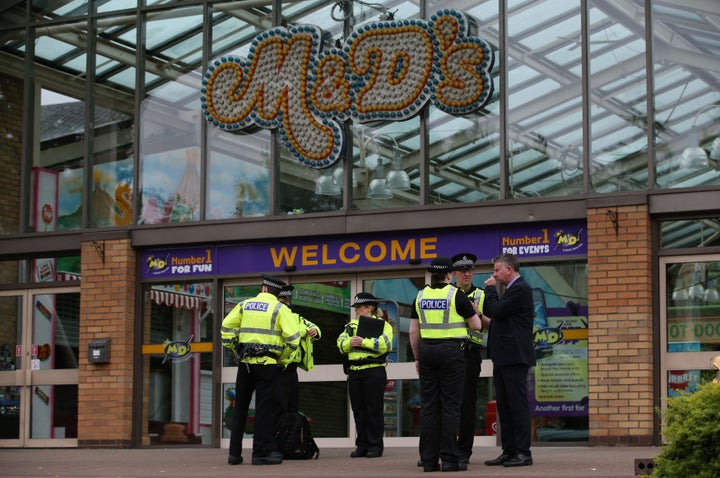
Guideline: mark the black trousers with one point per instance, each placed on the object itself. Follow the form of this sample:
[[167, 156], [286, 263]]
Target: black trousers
[[468, 409], [442, 375], [513, 408], [263, 380], [290, 387], [367, 396]]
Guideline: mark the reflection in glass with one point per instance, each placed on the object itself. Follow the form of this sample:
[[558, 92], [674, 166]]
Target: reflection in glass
[[693, 306], [238, 175], [56, 319], [10, 418], [10, 333], [54, 411], [57, 173]]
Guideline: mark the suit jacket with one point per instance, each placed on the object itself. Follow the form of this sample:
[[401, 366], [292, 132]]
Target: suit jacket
[[510, 337]]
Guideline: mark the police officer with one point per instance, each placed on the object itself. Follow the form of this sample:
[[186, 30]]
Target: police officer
[[463, 270], [301, 356], [367, 358], [438, 335], [257, 330]]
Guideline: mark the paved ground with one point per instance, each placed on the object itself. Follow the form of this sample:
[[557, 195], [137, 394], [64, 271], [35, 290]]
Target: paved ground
[[550, 462]]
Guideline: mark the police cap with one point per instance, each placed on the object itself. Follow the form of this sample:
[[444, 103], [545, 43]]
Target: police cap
[[286, 292], [364, 298], [440, 265], [463, 261], [271, 281]]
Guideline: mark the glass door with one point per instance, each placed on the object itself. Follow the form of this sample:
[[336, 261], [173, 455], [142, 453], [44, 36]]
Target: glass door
[[690, 321], [323, 391], [39, 350], [177, 363]]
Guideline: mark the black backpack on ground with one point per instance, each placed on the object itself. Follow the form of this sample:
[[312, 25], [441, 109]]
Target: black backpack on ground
[[295, 438]]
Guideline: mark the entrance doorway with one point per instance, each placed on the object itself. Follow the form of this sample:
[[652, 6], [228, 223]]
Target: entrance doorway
[[323, 391], [39, 349]]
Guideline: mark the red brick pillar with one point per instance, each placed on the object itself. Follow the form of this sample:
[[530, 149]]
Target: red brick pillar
[[107, 298], [620, 342]]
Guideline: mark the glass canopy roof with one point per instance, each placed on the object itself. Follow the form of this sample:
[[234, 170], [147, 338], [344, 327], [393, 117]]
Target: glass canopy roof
[[552, 148]]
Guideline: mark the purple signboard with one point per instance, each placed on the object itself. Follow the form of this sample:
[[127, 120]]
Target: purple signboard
[[362, 251]]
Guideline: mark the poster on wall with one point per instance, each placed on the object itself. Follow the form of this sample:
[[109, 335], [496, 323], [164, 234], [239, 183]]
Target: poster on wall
[[558, 384]]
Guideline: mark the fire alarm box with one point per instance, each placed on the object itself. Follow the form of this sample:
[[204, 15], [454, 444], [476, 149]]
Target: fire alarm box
[[99, 351]]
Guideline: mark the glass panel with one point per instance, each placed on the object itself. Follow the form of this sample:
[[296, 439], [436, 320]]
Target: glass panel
[[386, 165], [114, 5], [693, 313], [398, 296], [171, 171], [545, 98], [690, 233], [11, 121], [111, 202], [13, 272], [52, 269], [464, 151], [680, 382], [68, 269], [57, 173], [177, 363], [686, 61], [10, 418], [238, 174], [10, 333], [618, 95], [56, 331], [558, 384], [56, 9], [54, 411]]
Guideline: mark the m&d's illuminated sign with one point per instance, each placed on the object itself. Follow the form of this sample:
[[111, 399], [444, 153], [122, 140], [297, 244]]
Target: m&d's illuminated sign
[[385, 71]]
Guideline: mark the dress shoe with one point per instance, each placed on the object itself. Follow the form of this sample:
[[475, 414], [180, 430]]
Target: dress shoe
[[374, 454], [358, 452], [274, 458], [234, 460], [428, 467], [519, 460], [420, 463], [450, 467], [499, 460]]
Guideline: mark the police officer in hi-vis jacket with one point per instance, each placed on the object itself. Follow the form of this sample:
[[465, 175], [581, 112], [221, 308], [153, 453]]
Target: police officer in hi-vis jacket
[[257, 330], [463, 270], [366, 340], [438, 337]]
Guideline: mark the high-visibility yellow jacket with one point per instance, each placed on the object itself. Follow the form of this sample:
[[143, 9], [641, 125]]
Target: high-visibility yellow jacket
[[258, 329], [438, 318], [302, 355], [373, 351], [477, 295]]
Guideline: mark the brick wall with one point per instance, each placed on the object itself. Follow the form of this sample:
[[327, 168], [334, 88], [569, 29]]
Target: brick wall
[[11, 119], [620, 354], [105, 395]]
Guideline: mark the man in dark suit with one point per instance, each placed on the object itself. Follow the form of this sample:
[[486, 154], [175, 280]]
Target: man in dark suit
[[510, 346]]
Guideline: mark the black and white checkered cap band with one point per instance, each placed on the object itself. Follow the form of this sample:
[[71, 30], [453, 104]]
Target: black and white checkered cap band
[[438, 267], [465, 262], [365, 301], [272, 283]]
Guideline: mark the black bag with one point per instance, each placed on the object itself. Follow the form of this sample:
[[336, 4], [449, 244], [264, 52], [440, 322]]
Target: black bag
[[295, 438]]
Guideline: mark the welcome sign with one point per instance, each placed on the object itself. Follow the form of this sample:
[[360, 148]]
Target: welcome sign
[[385, 71]]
